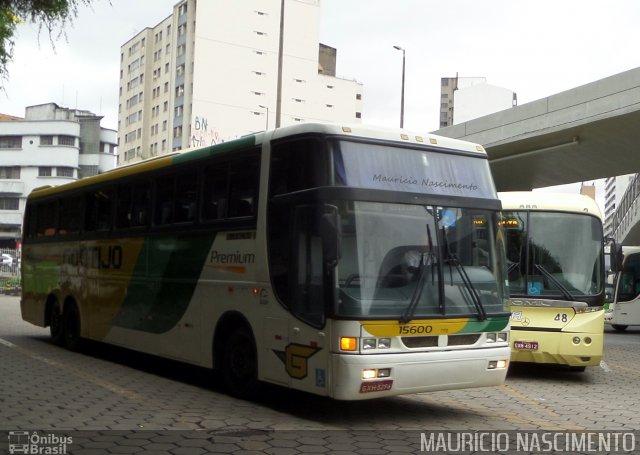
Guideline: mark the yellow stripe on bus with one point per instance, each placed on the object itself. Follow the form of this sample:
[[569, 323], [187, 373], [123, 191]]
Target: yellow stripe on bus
[[417, 327]]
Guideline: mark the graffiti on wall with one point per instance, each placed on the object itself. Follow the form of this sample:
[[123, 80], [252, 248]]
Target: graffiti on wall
[[202, 135]]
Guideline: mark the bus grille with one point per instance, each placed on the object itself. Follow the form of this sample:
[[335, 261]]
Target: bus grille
[[432, 341]]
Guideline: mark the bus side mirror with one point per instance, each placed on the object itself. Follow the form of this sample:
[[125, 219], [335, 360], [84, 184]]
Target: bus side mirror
[[330, 234], [615, 255]]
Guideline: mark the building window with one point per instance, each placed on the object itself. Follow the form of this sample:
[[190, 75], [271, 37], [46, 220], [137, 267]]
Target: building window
[[46, 140], [87, 171], [358, 96], [9, 203], [358, 115], [179, 90], [64, 172], [182, 9], [10, 142], [9, 172], [66, 140], [44, 171]]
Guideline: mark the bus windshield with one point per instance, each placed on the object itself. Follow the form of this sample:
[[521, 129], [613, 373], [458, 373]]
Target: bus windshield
[[552, 254], [412, 261]]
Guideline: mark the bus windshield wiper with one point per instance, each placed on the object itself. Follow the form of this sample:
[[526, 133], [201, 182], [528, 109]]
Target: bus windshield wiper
[[475, 298], [555, 281], [408, 313]]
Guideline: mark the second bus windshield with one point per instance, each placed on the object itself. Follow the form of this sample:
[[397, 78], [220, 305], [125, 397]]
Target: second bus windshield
[[553, 254]]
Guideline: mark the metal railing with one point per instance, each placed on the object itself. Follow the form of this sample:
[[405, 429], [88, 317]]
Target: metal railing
[[9, 271]]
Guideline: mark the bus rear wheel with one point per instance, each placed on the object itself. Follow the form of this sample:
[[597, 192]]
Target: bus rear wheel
[[240, 364], [619, 328], [56, 323], [71, 327]]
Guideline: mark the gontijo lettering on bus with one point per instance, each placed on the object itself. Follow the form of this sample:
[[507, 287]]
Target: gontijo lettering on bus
[[95, 257]]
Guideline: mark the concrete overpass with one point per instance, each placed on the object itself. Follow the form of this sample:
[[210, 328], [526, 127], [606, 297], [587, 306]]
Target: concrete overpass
[[586, 133]]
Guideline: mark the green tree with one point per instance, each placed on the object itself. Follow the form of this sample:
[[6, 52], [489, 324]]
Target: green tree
[[49, 15]]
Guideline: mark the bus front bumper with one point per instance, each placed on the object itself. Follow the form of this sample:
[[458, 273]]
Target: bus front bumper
[[558, 348], [415, 372]]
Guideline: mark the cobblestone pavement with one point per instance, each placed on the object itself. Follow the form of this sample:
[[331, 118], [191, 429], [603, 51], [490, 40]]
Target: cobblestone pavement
[[110, 400]]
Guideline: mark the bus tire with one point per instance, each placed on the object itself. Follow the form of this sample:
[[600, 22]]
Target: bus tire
[[240, 364], [619, 328], [71, 315], [56, 324]]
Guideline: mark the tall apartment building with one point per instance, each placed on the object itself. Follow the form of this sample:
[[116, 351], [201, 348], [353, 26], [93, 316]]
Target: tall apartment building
[[465, 98], [614, 189], [209, 73], [51, 145]]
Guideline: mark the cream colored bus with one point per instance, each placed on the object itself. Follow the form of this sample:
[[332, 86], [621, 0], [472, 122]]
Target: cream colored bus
[[555, 261], [342, 261]]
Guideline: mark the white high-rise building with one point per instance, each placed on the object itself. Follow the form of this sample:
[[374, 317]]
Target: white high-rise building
[[615, 188], [209, 73]]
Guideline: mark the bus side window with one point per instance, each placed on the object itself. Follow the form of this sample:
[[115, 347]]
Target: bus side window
[[140, 203], [243, 187], [123, 206], [46, 219], [98, 210], [214, 195], [185, 196], [70, 216], [165, 186]]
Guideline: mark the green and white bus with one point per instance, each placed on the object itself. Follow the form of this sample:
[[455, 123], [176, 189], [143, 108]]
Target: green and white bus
[[343, 261], [623, 309]]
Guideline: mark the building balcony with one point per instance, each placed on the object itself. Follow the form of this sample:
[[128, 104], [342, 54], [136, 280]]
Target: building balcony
[[11, 187]]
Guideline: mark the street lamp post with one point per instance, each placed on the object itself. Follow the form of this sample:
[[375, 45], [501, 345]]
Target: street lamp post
[[267, 108], [402, 95]]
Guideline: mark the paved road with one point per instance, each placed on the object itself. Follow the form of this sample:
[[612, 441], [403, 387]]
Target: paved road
[[113, 401]]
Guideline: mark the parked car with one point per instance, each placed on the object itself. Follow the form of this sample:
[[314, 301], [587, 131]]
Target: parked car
[[7, 259]]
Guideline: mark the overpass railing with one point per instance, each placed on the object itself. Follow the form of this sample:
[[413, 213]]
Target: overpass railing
[[627, 213]]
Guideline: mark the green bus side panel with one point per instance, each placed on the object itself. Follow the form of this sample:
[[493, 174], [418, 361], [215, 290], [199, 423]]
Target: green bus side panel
[[163, 282], [489, 325]]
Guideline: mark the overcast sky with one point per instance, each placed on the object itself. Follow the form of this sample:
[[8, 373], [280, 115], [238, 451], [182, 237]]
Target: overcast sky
[[536, 49]]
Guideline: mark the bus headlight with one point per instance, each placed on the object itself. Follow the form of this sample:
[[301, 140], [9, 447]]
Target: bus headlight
[[372, 373], [576, 340], [491, 337], [497, 364], [369, 374], [375, 343], [384, 343], [503, 337], [368, 343]]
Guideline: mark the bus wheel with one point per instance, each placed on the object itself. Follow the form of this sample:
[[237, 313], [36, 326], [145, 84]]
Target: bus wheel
[[71, 327], [240, 364], [619, 328], [55, 323]]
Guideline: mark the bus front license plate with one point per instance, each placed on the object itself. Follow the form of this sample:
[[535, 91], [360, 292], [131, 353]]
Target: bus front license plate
[[526, 345], [378, 386]]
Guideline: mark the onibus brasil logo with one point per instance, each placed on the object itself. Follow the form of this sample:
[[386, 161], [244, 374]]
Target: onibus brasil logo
[[33, 443]]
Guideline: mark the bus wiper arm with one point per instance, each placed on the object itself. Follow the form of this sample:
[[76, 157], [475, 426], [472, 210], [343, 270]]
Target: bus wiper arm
[[408, 313], [555, 281], [475, 298]]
